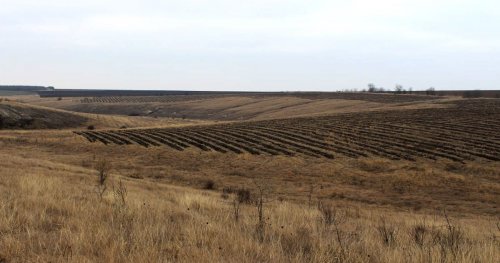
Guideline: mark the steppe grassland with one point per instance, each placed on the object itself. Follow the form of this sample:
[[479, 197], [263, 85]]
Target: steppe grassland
[[50, 211]]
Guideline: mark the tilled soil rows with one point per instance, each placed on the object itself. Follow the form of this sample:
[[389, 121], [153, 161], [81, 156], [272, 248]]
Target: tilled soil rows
[[467, 130]]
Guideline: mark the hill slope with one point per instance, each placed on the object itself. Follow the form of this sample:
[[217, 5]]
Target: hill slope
[[229, 108], [20, 116]]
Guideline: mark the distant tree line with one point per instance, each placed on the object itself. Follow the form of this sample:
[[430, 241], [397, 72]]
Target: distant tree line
[[398, 89], [472, 94], [23, 88]]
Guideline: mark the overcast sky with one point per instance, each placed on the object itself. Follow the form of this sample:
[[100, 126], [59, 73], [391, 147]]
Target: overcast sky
[[251, 45]]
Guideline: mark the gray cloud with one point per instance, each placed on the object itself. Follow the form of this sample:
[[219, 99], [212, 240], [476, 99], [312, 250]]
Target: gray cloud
[[258, 45]]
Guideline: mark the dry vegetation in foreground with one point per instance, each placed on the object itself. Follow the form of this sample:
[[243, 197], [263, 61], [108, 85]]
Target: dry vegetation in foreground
[[57, 212]]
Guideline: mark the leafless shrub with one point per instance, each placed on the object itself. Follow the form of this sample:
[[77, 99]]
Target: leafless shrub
[[103, 168], [120, 193], [244, 195], [430, 91], [238, 197], [236, 203], [330, 216], [387, 232], [262, 198], [327, 212], [419, 233], [451, 240]]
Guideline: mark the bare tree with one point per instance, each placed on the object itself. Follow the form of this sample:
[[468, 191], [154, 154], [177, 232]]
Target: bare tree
[[430, 91], [399, 89], [372, 88]]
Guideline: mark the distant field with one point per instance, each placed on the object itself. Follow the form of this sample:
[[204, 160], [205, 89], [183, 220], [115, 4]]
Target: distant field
[[241, 106], [13, 90], [146, 99], [466, 130], [372, 97], [8, 93], [466, 93]]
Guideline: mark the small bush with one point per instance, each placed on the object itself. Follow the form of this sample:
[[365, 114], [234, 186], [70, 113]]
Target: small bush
[[244, 195], [209, 185], [103, 168], [226, 191], [430, 91], [419, 233], [451, 240], [121, 194], [327, 213], [387, 233], [91, 127]]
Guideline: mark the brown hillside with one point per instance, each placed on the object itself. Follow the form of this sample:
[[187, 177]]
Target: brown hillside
[[234, 108], [20, 116]]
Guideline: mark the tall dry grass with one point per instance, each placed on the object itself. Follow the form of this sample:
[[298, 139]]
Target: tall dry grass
[[50, 212]]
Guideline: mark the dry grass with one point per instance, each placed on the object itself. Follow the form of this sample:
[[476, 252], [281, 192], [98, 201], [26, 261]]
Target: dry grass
[[49, 212]]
